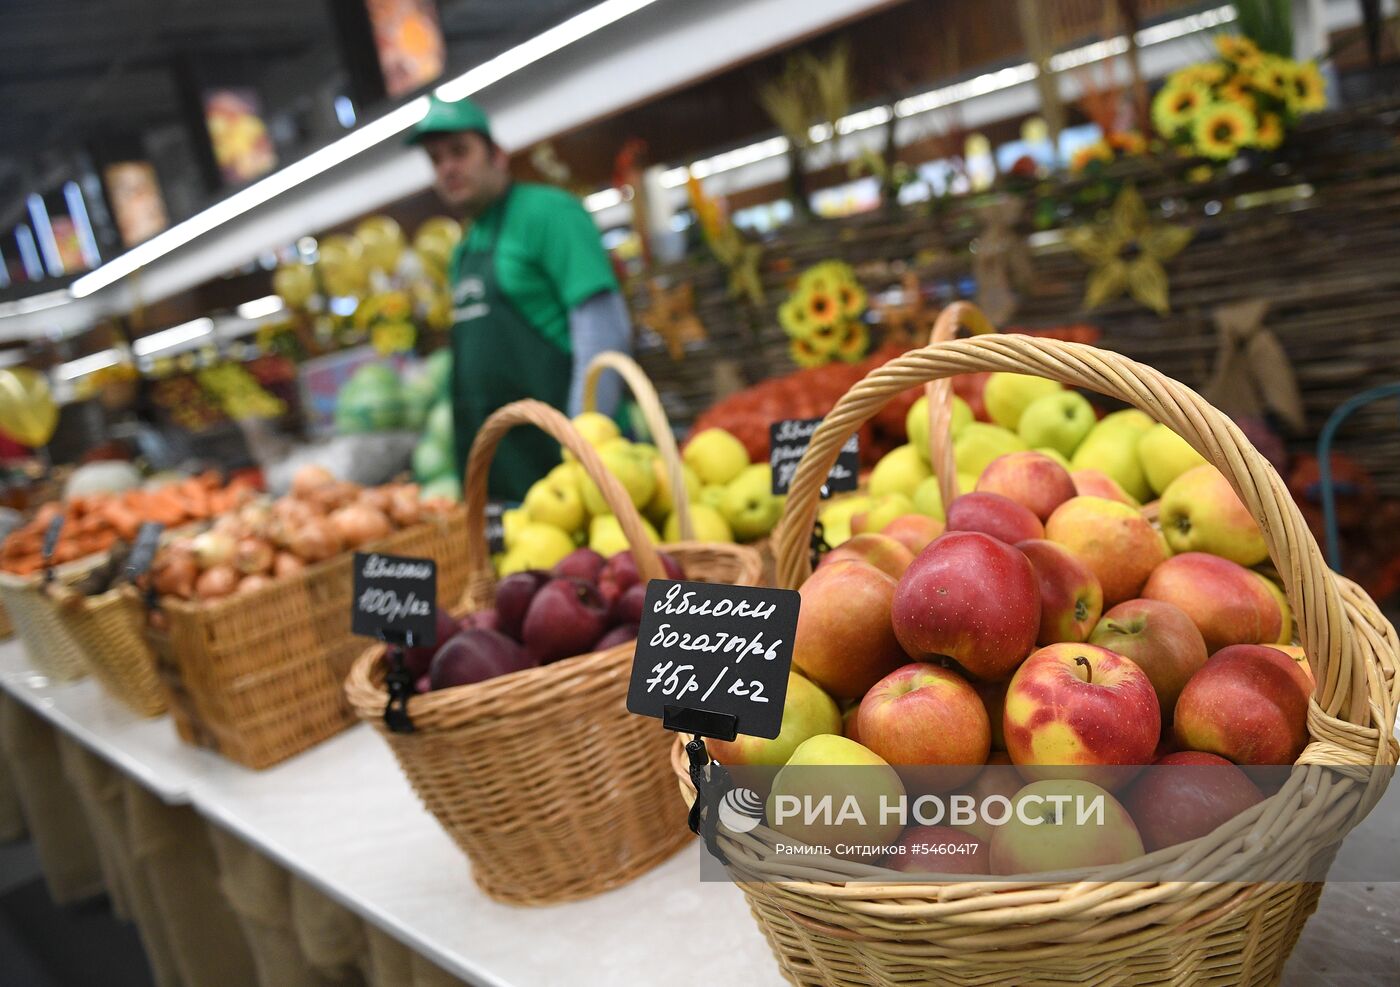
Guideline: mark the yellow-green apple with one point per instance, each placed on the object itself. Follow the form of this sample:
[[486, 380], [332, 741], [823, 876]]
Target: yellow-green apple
[[845, 642], [998, 777], [971, 597], [1008, 395], [1285, 626], [880, 512], [971, 388], [1300, 658], [605, 535], [1092, 483], [595, 428], [1081, 711], [831, 770], [1054, 455], [514, 522], [1053, 826], [555, 503], [1113, 452], [882, 552], [1187, 795], [1129, 418], [922, 714], [993, 696], [995, 515], [712, 495], [1165, 456], [916, 422], [1120, 547], [928, 499], [749, 505], [1161, 639], [1057, 421], [938, 850], [633, 470], [807, 712], [1031, 479], [836, 518], [663, 502], [1071, 599], [1223, 599], [540, 546], [899, 471], [716, 456], [1201, 513], [1248, 704], [979, 443], [708, 525], [913, 531]]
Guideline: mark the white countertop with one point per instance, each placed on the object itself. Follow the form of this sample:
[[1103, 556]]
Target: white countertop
[[342, 816]]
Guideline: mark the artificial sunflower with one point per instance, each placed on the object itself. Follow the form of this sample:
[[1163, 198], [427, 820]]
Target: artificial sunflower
[[820, 308], [1088, 154], [1240, 50], [1273, 76], [851, 297], [853, 343], [1201, 74], [1221, 130], [1127, 142], [1175, 107], [804, 354], [825, 339], [1269, 133], [1237, 91], [1305, 92]]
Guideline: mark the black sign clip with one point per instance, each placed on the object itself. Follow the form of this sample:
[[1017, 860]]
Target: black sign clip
[[711, 783], [398, 680], [819, 544]]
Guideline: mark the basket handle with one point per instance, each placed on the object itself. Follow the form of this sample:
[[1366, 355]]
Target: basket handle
[[1327, 635], [959, 315], [542, 416], [657, 423]]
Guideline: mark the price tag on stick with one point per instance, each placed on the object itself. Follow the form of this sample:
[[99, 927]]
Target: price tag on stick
[[713, 659], [143, 551], [51, 534], [395, 599], [788, 441]]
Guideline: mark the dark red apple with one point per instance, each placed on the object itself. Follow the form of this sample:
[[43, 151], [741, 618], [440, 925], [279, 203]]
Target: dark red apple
[[627, 608], [1187, 795], [620, 572], [620, 634], [581, 563], [566, 618], [417, 660], [474, 656], [513, 596], [995, 515], [482, 620], [424, 684]]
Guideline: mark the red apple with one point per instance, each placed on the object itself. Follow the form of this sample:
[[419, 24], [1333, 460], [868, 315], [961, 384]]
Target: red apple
[[885, 554], [1070, 597], [1116, 542], [913, 531], [417, 660], [1160, 639], [581, 563], [620, 572], [1300, 658], [513, 596], [620, 634], [993, 696], [1248, 703], [566, 617], [474, 656], [850, 728], [1187, 795], [971, 597], [998, 778], [1056, 839], [1224, 600], [971, 388], [1081, 707], [627, 608], [483, 620], [1092, 483], [922, 714], [995, 515], [844, 641], [1031, 479], [938, 850]]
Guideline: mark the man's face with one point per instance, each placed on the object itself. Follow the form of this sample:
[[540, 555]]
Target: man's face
[[470, 173]]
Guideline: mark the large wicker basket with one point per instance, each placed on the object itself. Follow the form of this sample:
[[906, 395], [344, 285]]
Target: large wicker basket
[[108, 629], [552, 789], [257, 677], [47, 638], [1128, 924]]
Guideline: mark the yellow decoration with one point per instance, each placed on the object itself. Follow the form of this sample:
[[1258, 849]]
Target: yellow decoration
[[434, 242], [27, 411], [295, 284], [389, 338], [1306, 92], [1176, 106], [1269, 133], [381, 242], [1222, 129], [1126, 254], [342, 265], [740, 257], [671, 315], [1234, 48]]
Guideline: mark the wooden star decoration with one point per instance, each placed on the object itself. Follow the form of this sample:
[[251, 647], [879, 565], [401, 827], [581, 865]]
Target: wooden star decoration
[[1127, 254], [671, 315]]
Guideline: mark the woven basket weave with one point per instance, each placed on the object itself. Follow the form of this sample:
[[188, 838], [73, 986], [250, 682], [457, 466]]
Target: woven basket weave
[[1127, 924], [257, 676], [107, 628], [552, 789], [50, 643]]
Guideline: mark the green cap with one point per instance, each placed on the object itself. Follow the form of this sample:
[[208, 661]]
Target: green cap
[[450, 118]]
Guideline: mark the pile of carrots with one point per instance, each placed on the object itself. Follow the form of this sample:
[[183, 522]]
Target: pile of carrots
[[93, 523]]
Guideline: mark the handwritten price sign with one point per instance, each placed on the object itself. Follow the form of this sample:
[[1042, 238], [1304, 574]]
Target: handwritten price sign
[[788, 440], [395, 594]]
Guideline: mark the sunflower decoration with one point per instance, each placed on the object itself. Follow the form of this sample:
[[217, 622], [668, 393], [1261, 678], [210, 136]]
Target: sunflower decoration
[[855, 340], [1222, 130], [806, 355], [1305, 92], [387, 317], [1205, 74], [1240, 50], [1127, 254], [1273, 76], [1268, 133], [822, 315], [1090, 154], [1175, 108], [1237, 91]]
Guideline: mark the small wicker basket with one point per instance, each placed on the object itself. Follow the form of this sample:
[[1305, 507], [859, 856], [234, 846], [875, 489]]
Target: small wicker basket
[[552, 789], [47, 637], [1129, 924], [107, 628]]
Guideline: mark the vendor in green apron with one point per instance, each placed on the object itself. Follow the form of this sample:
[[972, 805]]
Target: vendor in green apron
[[534, 297]]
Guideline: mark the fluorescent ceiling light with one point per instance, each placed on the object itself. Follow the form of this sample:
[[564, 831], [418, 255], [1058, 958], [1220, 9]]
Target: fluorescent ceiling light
[[605, 199], [259, 307], [87, 364], [28, 252], [43, 229], [173, 336], [34, 303], [77, 209]]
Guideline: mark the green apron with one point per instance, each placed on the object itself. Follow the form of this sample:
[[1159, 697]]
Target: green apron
[[497, 358]]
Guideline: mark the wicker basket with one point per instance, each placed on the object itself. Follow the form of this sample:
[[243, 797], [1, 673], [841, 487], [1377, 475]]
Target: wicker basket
[[257, 677], [50, 643], [108, 629], [7, 627], [1128, 924], [552, 789]]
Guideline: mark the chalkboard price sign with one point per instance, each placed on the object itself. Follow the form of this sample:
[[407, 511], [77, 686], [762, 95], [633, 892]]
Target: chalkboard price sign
[[395, 597], [143, 551], [788, 440], [495, 527], [719, 651]]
